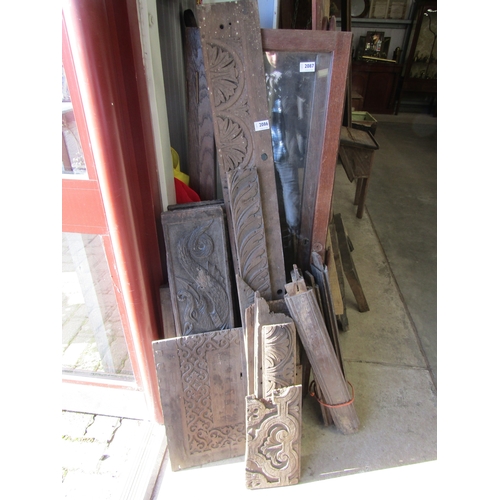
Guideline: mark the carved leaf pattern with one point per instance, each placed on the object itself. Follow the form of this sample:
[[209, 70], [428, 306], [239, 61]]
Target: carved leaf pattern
[[248, 225], [206, 304], [279, 357], [224, 73], [233, 143]]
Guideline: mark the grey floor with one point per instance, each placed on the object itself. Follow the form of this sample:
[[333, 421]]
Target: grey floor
[[389, 351]]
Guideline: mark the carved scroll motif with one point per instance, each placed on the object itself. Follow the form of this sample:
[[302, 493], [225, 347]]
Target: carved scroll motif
[[279, 357], [198, 269], [273, 439], [202, 388]]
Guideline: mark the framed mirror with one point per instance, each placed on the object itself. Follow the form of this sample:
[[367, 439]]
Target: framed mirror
[[306, 75]]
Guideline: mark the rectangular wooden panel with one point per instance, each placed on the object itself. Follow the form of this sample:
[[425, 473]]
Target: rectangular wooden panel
[[198, 269], [202, 385], [234, 65], [273, 439]]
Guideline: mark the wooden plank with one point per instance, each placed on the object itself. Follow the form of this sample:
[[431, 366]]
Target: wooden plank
[[201, 151], [248, 229], [312, 330], [202, 385], [348, 265], [334, 261], [198, 269], [232, 51], [274, 439], [321, 275]]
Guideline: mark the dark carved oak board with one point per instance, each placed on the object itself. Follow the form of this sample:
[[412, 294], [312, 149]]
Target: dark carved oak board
[[198, 268], [202, 386]]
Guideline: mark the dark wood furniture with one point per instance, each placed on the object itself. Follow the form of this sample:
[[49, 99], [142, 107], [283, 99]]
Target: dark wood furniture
[[356, 152], [420, 75], [377, 82]]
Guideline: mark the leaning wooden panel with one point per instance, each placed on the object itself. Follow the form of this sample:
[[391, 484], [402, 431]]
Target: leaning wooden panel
[[248, 229], [202, 386], [234, 64], [312, 330], [273, 439], [332, 52], [198, 269]]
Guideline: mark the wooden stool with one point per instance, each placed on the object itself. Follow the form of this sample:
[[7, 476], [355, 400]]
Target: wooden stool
[[356, 152]]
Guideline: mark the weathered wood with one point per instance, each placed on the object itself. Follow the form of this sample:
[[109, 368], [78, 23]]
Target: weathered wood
[[247, 221], [167, 313], [274, 351], [334, 261], [202, 385], [198, 269], [274, 439], [321, 275], [232, 51], [201, 151], [312, 330], [348, 265]]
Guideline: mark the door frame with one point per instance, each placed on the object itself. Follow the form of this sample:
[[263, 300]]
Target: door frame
[[102, 41]]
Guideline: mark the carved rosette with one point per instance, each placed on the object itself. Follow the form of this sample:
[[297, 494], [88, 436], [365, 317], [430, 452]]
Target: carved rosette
[[248, 225], [273, 439]]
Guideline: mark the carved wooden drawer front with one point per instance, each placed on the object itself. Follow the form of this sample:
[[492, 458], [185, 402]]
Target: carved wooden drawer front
[[202, 386], [198, 269]]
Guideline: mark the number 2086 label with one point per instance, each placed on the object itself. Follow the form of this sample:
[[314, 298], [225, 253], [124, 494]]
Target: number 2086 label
[[262, 125], [306, 67]]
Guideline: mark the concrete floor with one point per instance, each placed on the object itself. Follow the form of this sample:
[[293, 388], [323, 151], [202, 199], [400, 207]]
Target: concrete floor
[[389, 352]]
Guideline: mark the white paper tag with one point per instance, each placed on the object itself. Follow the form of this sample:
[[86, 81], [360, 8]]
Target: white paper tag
[[262, 125], [307, 67]]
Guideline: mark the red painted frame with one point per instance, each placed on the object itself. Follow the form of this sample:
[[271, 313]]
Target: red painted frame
[[102, 41]]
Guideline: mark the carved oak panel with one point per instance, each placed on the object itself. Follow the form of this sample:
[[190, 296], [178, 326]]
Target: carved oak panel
[[202, 386], [232, 51], [198, 269], [273, 439]]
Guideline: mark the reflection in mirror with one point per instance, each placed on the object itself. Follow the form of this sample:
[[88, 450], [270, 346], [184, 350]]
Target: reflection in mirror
[[73, 162]]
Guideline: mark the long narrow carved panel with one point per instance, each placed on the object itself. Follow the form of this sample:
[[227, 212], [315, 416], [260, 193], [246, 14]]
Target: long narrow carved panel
[[273, 439], [232, 51], [202, 386], [248, 229], [198, 268]]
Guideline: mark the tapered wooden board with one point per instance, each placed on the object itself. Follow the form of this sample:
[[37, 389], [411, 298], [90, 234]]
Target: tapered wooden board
[[198, 269], [202, 386]]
